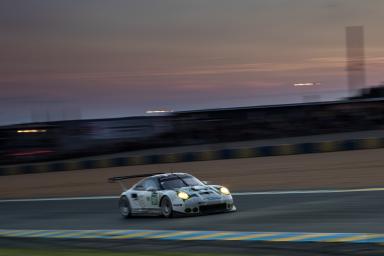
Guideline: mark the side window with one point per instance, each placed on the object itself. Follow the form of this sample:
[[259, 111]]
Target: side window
[[148, 183], [151, 183], [140, 186]]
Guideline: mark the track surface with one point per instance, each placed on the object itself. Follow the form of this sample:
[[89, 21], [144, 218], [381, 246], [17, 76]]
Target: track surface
[[332, 212]]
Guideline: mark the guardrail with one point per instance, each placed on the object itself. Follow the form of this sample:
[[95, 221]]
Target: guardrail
[[263, 151]]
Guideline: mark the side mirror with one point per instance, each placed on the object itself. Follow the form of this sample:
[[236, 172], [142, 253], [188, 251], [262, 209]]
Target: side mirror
[[151, 189]]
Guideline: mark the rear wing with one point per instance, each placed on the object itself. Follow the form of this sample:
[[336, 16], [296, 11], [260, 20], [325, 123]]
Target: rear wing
[[119, 179]]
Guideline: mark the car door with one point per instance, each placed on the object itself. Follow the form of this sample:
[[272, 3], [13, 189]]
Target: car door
[[148, 197]]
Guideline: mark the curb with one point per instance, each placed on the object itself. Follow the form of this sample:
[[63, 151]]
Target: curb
[[175, 235]]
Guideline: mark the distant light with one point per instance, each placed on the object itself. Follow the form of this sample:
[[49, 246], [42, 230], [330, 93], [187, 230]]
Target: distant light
[[305, 84], [31, 153], [159, 111], [30, 131]]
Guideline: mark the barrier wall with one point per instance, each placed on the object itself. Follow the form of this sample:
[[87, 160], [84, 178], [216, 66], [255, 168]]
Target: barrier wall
[[279, 150]]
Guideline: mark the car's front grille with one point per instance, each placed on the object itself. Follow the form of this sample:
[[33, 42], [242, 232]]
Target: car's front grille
[[213, 208]]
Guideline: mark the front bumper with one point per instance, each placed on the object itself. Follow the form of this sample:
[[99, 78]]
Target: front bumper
[[198, 206]]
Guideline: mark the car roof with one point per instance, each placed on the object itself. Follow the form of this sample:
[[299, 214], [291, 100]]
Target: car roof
[[162, 175], [169, 174]]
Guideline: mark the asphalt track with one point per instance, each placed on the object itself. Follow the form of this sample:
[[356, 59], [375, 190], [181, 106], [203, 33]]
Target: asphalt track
[[354, 212]]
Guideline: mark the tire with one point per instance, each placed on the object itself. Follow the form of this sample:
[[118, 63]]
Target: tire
[[125, 207], [166, 207]]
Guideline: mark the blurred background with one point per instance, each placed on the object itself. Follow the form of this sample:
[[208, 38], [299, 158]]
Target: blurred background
[[95, 77], [53, 140]]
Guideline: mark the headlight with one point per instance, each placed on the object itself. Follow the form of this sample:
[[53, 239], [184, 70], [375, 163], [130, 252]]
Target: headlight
[[224, 191], [183, 195]]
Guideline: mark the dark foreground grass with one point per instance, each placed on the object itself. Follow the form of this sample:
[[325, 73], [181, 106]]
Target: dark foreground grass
[[80, 252]]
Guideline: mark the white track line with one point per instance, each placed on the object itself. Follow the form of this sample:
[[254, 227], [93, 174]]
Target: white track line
[[59, 199], [329, 191]]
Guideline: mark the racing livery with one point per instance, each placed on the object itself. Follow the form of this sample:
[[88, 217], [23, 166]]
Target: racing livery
[[168, 194]]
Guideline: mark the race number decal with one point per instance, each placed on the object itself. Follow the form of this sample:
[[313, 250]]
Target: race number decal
[[155, 198]]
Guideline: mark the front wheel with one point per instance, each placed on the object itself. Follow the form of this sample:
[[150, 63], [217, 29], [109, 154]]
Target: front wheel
[[166, 207], [124, 207]]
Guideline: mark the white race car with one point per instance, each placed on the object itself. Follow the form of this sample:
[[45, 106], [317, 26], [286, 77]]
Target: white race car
[[168, 194]]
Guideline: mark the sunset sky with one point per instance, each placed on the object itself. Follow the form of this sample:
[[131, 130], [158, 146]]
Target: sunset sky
[[115, 58]]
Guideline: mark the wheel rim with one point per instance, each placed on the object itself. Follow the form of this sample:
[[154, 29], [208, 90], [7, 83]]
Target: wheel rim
[[166, 207], [124, 208]]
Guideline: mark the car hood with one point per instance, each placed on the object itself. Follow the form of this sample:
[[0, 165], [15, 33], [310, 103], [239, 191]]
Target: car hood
[[202, 191]]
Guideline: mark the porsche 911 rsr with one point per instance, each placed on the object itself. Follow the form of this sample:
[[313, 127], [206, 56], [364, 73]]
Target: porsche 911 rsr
[[168, 194]]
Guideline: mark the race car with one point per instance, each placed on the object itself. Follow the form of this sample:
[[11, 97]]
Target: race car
[[170, 194]]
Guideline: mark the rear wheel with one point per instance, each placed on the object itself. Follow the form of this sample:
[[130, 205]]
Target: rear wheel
[[124, 207], [166, 207]]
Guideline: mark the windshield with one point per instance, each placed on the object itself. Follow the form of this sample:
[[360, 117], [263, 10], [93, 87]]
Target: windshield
[[179, 181]]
